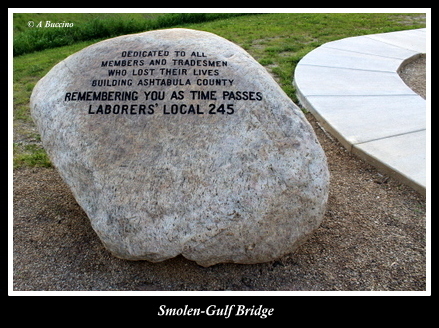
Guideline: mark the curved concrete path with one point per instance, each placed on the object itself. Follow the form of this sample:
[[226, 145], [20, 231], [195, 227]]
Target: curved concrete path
[[353, 88]]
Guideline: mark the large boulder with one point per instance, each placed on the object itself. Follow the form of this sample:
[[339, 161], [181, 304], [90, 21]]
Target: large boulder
[[178, 142]]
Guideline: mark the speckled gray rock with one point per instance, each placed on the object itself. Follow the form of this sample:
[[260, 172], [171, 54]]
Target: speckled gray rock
[[178, 142]]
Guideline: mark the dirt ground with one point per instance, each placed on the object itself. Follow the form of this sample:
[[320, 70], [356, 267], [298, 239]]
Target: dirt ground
[[414, 75], [372, 238]]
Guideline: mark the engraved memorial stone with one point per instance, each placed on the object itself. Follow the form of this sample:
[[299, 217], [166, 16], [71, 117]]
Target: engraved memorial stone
[[178, 142]]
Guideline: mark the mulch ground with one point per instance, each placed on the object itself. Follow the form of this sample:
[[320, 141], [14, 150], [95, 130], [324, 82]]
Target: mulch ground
[[372, 238]]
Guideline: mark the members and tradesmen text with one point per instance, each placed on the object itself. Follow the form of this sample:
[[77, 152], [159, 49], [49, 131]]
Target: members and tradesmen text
[[226, 311]]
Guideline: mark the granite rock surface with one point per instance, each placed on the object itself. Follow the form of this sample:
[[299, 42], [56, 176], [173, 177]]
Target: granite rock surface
[[178, 142]]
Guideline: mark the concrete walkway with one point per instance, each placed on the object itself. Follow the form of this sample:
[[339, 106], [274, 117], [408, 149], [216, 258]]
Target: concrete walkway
[[352, 87]]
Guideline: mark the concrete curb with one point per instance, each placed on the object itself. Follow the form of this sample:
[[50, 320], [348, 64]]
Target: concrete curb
[[353, 88]]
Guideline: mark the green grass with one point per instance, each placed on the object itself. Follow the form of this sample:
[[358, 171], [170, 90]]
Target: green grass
[[93, 26], [277, 41], [30, 155]]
